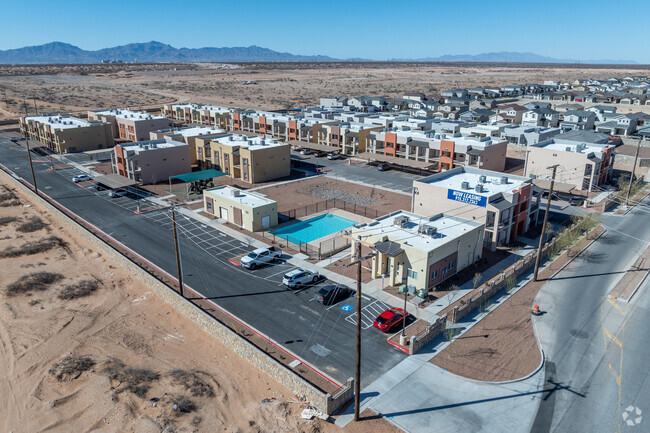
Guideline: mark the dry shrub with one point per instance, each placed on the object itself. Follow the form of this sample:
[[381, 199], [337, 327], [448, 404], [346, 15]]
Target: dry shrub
[[78, 290], [7, 220], [192, 381], [135, 380], [34, 247], [183, 404], [36, 281], [71, 367], [8, 198], [32, 225]]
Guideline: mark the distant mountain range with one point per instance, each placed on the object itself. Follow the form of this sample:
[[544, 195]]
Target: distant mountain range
[[512, 57], [59, 52], [152, 52]]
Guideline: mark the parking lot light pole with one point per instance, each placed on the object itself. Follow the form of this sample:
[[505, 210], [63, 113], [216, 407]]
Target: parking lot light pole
[[178, 256]]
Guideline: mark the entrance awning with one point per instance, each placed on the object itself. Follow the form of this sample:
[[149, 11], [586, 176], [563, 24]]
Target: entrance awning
[[114, 181], [199, 175]]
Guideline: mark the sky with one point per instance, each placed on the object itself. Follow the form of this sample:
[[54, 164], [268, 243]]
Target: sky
[[376, 29]]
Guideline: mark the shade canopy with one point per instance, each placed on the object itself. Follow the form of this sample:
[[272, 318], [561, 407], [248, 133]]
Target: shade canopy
[[199, 175]]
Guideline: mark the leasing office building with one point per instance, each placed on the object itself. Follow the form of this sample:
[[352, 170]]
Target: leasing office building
[[506, 204]]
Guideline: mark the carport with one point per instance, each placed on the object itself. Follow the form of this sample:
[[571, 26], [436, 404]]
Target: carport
[[195, 182], [401, 162], [314, 146], [114, 181]]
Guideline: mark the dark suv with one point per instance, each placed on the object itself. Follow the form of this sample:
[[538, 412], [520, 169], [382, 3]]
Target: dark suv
[[330, 295]]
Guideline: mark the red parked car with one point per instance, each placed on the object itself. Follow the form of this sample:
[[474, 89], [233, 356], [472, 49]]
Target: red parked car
[[389, 319]]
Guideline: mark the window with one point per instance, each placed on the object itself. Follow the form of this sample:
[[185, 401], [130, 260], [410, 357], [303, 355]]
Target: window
[[451, 265], [209, 205], [434, 275], [412, 274]]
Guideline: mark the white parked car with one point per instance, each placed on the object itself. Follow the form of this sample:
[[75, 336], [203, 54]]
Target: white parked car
[[81, 178], [305, 152], [261, 256], [299, 278], [117, 193], [332, 156]]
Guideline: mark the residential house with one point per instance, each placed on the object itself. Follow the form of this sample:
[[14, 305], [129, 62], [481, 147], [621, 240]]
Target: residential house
[[546, 117], [525, 135], [578, 119]]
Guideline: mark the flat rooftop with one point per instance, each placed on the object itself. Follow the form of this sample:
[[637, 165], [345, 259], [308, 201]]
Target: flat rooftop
[[128, 114], [194, 131], [243, 197], [149, 145], [61, 122], [572, 146], [211, 108], [252, 143], [447, 228], [453, 179]]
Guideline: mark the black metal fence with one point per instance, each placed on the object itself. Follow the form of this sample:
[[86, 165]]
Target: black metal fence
[[329, 204]]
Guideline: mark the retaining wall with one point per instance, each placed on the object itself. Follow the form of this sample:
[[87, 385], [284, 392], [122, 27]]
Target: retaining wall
[[256, 357], [433, 330]]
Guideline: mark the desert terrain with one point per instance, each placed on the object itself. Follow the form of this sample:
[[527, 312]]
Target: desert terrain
[[77, 88], [86, 347]]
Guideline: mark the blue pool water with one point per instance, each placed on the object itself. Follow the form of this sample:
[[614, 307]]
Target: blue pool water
[[314, 228]]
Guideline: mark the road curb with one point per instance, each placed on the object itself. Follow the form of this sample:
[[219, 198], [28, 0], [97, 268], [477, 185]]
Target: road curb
[[637, 288]]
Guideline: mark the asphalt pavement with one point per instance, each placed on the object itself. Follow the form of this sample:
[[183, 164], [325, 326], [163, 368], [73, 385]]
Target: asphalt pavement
[[318, 335]]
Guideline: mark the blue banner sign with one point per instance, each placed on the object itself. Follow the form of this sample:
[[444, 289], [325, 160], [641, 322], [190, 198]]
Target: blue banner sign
[[467, 197]]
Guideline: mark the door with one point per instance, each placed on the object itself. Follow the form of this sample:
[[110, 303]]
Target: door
[[237, 216], [223, 212], [266, 222]]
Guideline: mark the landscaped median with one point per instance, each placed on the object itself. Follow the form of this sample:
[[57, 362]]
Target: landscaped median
[[502, 345]]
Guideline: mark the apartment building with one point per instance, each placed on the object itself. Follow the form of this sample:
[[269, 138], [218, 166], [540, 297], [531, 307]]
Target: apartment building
[[251, 159], [350, 137], [417, 250], [525, 135], [67, 134], [586, 166], [131, 125], [200, 114], [284, 127], [505, 204], [152, 161], [447, 150], [245, 209], [189, 135]]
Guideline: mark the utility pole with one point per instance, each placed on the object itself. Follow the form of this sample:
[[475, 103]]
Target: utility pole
[[4, 94], [636, 156], [178, 255], [25, 104], [35, 108], [357, 374], [538, 259]]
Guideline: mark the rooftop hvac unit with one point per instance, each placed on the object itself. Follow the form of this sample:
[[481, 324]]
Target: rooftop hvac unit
[[504, 180], [422, 230], [235, 192], [482, 178], [533, 176], [432, 231], [478, 187], [568, 149], [401, 221], [464, 185]]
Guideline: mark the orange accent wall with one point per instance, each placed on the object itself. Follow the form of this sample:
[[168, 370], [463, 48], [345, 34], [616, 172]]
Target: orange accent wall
[[262, 125], [236, 121], [447, 146], [604, 165], [119, 154], [390, 143], [293, 125]]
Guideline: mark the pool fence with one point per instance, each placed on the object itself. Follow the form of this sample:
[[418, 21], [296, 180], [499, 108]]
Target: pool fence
[[324, 205], [316, 249]]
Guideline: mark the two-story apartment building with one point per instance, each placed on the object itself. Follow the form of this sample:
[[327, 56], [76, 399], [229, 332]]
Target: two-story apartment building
[[507, 205], [188, 135], [131, 125], [200, 114], [586, 166], [350, 137], [67, 134]]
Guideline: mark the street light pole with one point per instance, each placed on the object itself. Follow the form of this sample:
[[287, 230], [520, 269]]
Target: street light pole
[[538, 259]]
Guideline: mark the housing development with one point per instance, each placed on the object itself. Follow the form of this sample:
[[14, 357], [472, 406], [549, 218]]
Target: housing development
[[468, 258]]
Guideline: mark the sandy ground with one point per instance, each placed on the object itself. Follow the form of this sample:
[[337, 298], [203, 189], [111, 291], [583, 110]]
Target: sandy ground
[[118, 358], [282, 85], [311, 190], [502, 346]]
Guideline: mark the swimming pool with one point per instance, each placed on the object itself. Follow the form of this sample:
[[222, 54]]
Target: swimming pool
[[314, 228]]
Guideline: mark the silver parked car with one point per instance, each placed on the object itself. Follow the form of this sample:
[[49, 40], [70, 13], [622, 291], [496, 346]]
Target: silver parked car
[[299, 278]]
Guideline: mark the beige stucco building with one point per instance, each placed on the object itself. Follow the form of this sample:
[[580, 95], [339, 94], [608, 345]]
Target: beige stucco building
[[190, 135], [507, 205], [245, 209], [150, 162], [586, 166], [66, 134], [131, 125], [251, 159], [421, 251]]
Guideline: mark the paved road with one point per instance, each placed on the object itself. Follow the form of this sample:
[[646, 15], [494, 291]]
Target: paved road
[[592, 343], [320, 335]]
